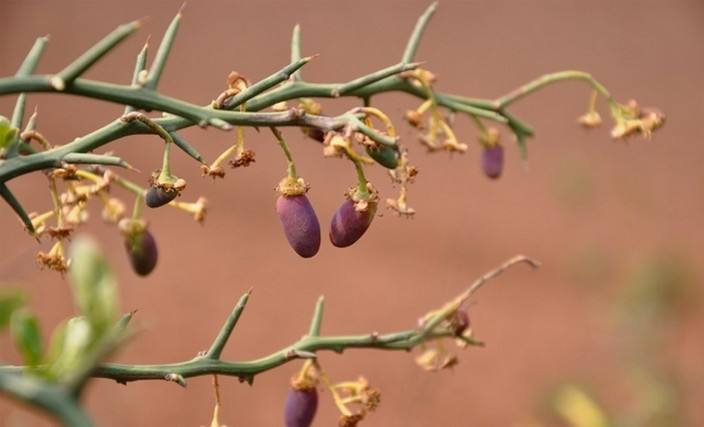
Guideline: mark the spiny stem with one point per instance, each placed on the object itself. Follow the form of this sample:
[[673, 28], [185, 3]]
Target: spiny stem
[[267, 83], [374, 77], [66, 76]]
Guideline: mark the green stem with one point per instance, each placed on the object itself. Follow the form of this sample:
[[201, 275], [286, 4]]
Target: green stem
[[414, 40], [549, 79], [165, 167], [317, 320], [362, 187], [296, 49], [56, 202], [129, 186], [137, 208], [291, 168], [219, 344], [305, 347]]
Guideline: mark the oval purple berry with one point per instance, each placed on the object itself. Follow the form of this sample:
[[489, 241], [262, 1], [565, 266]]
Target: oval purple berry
[[315, 134], [300, 224], [142, 251], [300, 407], [348, 224], [493, 161], [157, 196]]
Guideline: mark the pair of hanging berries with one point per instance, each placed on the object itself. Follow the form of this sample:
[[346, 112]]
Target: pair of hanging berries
[[301, 226]]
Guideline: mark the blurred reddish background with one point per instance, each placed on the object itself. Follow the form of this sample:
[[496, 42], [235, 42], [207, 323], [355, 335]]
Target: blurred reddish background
[[593, 210]]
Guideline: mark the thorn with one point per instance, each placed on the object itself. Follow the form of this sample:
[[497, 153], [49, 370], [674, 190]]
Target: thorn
[[182, 8], [141, 21], [311, 57], [219, 123], [304, 354], [57, 83], [176, 378]]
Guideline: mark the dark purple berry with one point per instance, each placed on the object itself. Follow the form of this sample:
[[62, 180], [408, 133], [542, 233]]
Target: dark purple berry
[[141, 248], [384, 155], [348, 224], [300, 407], [157, 196], [300, 224], [493, 161], [315, 134]]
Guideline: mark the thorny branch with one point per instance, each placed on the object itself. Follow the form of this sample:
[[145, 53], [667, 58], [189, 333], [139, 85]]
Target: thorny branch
[[284, 85], [432, 327]]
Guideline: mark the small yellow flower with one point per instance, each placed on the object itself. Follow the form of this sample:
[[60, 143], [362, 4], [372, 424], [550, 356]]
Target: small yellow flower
[[113, 210]]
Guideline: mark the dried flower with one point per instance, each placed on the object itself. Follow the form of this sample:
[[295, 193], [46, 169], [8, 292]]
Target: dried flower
[[55, 259]]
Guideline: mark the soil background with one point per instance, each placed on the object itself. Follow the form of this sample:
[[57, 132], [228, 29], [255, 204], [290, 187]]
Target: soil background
[[591, 209]]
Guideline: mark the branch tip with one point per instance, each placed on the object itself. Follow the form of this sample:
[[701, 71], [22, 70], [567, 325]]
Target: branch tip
[[218, 345], [317, 319]]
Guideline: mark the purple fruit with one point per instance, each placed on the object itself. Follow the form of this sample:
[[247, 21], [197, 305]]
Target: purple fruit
[[493, 161], [300, 224], [142, 251], [315, 134], [300, 407], [349, 224], [157, 196]]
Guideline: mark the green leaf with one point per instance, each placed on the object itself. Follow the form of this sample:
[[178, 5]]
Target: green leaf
[[7, 133], [25, 330], [94, 286], [9, 302]]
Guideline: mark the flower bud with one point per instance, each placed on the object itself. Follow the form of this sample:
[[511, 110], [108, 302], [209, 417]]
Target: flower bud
[[459, 322], [300, 224], [157, 196], [493, 161], [301, 405], [142, 251], [349, 222], [384, 155]]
